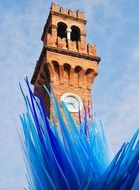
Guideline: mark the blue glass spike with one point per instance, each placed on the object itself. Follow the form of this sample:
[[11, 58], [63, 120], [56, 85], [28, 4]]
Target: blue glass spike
[[64, 156]]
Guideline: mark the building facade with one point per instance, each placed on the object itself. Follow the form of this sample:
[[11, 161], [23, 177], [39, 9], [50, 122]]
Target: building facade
[[67, 64]]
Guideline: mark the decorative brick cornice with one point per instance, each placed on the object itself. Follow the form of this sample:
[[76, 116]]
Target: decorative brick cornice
[[73, 54], [61, 51]]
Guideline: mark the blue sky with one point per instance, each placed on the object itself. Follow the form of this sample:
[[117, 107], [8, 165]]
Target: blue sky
[[113, 26]]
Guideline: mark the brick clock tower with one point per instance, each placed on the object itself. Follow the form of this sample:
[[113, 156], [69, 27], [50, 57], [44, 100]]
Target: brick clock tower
[[66, 62]]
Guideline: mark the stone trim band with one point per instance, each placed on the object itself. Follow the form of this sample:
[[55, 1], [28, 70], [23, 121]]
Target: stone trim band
[[74, 54]]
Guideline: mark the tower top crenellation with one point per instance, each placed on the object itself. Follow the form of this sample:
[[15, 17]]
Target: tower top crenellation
[[56, 8]]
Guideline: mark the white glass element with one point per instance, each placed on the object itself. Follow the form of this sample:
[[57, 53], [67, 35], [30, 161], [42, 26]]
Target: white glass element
[[72, 102]]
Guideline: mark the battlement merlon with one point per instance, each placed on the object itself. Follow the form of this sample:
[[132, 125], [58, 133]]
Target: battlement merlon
[[77, 14], [69, 45]]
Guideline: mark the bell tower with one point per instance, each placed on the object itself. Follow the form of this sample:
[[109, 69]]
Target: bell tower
[[66, 61]]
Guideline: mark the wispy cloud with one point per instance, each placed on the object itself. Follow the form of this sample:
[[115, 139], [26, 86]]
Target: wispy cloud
[[119, 104], [21, 27], [116, 89], [113, 26]]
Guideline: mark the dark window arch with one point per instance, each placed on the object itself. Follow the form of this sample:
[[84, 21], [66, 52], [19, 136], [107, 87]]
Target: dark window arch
[[75, 34], [78, 69], [89, 71], [56, 66], [61, 30], [67, 68]]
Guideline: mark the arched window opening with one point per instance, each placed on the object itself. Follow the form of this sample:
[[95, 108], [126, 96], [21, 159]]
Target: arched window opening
[[67, 67], [75, 34], [56, 67], [77, 69], [89, 71], [61, 30]]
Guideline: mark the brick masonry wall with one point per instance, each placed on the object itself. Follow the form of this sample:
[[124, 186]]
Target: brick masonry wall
[[67, 72]]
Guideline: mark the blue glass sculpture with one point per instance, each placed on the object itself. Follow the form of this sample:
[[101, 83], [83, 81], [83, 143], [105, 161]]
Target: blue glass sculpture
[[73, 156]]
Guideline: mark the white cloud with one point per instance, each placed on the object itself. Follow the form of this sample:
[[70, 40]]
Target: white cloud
[[20, 47], [116, 92], [120, 104]]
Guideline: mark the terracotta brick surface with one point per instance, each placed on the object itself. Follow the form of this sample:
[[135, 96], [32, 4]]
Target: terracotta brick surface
[[66, 65]]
